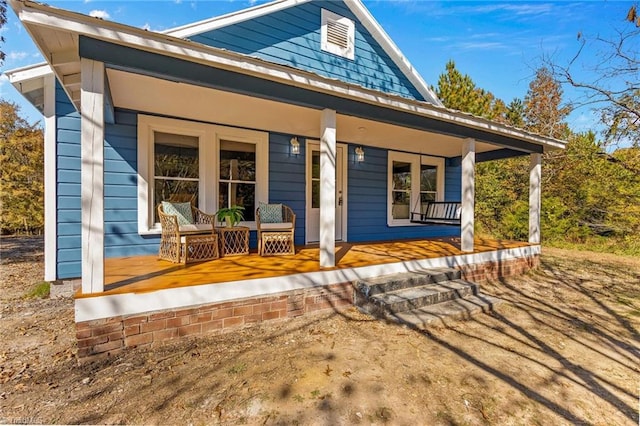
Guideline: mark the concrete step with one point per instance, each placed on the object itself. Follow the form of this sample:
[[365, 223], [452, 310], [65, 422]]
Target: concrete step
[[443, 313], [416, 297], [366, 288]]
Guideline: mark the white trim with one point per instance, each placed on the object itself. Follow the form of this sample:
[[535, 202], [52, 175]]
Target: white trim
[[92, 176], [209, 136], [93, 308], [535, 182], [327, 188], [29, 72], [36, 14], [415, 160], [467, 195], [188, 30], [50, 180], [380, 35], [347, 51]]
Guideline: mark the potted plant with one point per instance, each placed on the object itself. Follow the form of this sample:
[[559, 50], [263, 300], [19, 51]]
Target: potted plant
[[231, 215]]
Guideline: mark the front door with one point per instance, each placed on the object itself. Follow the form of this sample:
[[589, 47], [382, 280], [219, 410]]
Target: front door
[[313, 192]]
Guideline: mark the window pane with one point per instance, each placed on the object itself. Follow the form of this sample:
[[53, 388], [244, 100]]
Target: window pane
[[237, 161], [428, 178], [177, 191], [176, 155], [239, 194], [315, 194], [400, 207], [401, 175], [315, 165]]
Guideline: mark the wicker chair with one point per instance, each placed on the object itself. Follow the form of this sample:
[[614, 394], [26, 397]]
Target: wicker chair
[[277, 238], [188, 243]]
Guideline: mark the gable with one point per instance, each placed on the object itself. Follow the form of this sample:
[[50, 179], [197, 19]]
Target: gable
[[292, 36]]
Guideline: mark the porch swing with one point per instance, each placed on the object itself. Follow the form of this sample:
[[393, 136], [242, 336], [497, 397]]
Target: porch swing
[[437, 213]]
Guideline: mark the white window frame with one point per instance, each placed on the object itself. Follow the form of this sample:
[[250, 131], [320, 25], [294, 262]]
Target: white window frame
[[415, 160], [346, 52], [209, 136]]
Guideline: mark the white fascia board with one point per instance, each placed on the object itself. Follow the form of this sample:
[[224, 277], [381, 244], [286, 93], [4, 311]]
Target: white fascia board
[[38, 14], [380, 35], [30, 72], [210, 24]]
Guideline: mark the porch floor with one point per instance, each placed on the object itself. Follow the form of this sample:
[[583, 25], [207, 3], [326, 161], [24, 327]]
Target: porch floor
[[139, 274]]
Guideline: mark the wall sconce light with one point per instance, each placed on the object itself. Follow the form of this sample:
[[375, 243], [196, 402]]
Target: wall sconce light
[[295, 146], [359, 154]]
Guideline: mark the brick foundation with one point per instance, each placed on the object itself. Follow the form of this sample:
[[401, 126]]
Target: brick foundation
[[105, 337], [493, 270]]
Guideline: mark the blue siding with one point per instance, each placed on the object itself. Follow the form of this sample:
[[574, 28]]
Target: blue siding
[[121, 236], [67, 187], [367, 191], [453, 183], [292, 37], [287, 179]]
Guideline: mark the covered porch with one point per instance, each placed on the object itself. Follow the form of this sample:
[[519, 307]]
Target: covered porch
[[137, 274]]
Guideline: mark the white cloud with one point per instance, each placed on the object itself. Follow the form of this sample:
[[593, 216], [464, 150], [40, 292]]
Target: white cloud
[[517, 9], [16, 56], [102, 14], [146, 26]]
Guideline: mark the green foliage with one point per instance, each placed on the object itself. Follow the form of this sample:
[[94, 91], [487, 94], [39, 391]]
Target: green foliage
[[233, 215], [40, 291], [21, 173], [458, 91], [589, 197]]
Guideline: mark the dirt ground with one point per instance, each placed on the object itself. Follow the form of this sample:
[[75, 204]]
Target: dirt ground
[[563, 349]]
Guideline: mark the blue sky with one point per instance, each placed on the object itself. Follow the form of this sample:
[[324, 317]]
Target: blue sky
[[499, 44]]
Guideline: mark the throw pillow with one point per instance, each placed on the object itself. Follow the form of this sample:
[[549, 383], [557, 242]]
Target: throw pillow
[[182, 211], [270, 213]]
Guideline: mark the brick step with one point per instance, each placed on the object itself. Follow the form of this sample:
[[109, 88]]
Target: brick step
[[443, 313], [416, 297], [365, 288]]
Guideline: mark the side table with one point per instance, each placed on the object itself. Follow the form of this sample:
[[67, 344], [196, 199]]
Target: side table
[[233, 241]]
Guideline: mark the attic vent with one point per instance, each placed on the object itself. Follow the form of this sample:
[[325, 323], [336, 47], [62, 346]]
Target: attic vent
[[337, 34]]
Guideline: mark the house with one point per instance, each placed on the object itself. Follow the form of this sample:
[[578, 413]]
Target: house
[[321, 77]]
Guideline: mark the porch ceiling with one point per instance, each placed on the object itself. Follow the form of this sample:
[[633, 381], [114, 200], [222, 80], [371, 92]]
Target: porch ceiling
[[158, 96]]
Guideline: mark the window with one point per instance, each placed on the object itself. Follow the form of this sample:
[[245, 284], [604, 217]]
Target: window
[[414, 180], [176, 169], [337, 35], [238, 177], [211, 166]]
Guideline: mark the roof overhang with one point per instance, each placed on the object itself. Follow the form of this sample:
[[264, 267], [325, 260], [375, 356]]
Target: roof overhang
[[63, 37], [30, 82]]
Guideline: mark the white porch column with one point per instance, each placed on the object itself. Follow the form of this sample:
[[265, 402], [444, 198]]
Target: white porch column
[[92, 175], [50, 179], [327, 188], [468, 194], [535, 180]]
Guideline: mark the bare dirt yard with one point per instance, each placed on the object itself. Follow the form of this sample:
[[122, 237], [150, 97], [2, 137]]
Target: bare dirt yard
[[563, 349]]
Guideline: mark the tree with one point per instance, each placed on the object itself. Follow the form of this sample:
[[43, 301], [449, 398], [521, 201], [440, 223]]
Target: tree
[[3, 21], [543, 110], [458, 91], [21, 172], [615, 86]]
